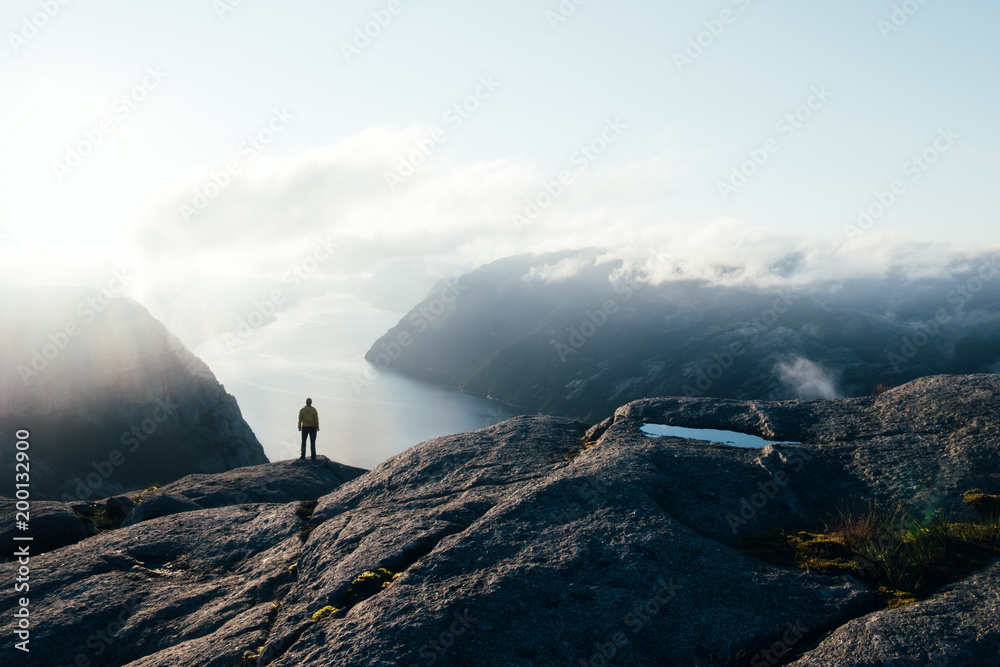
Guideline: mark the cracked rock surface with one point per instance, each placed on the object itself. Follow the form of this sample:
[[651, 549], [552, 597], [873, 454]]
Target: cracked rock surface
[[517, 547]]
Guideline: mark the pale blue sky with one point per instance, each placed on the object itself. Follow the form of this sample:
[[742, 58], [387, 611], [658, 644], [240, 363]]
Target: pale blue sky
[[658, 183]]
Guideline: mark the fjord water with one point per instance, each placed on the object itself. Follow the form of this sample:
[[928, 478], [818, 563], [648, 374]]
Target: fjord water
[[317, 350]]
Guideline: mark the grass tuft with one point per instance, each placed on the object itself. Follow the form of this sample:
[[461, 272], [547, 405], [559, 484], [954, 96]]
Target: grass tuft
[[903, 558]]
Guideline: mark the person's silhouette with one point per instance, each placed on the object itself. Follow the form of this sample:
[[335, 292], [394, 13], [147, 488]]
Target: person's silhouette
[[309, 425]]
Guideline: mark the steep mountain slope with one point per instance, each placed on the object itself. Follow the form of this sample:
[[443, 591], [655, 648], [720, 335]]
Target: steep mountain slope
[[112, 400], [515, 546], [560, 334]]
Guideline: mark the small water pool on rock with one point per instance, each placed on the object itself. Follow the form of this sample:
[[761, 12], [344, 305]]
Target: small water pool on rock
[[731, 438]]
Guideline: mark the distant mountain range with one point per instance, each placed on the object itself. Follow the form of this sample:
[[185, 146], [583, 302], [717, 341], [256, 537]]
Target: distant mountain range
[[563, 334], [111, 400]]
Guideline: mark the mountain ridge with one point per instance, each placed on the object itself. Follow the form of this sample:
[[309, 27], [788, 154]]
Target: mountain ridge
[[578, 338], [112, 400]]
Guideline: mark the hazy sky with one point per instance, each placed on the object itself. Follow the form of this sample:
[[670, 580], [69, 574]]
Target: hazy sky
[[216, 147]]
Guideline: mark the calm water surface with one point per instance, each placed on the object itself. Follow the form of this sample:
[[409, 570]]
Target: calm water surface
[[317, 350]]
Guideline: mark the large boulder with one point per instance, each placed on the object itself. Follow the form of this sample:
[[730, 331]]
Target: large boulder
[[536, 542], [957, 627], [541, 560], [192, 589], [50, 525], [157, 506], [278, 482]]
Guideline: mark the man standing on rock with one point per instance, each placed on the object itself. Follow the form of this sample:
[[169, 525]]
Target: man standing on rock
[[309, 425]]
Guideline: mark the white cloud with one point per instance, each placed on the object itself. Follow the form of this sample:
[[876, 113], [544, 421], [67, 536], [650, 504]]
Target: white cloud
[[807, 379], [392, 245]]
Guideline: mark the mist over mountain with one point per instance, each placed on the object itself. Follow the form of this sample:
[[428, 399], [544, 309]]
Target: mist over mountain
[[568, 333], [112, 400]]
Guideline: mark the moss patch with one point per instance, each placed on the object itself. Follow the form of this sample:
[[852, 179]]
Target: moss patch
[[97, 515], [986, 504], [902, 559], [138, 497], [368, 584], [893, 599], [814, 552], [304, 511], [323, 613], [587, 446], [251, 657]]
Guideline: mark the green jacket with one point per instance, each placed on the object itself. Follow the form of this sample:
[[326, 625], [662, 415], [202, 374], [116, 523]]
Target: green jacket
[[308, 417]]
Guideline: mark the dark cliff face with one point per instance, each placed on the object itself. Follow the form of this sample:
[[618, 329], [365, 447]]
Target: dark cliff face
[[516, 546], [584, 344], [111, 399]]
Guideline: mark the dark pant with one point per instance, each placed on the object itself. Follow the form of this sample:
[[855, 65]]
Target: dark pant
[[311, 432]]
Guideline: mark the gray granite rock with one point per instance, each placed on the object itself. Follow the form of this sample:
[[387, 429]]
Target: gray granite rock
[[160, 505], [51, 525], [515, 545], [958, 627], [278, 482], [191, 589], [555, 561]]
